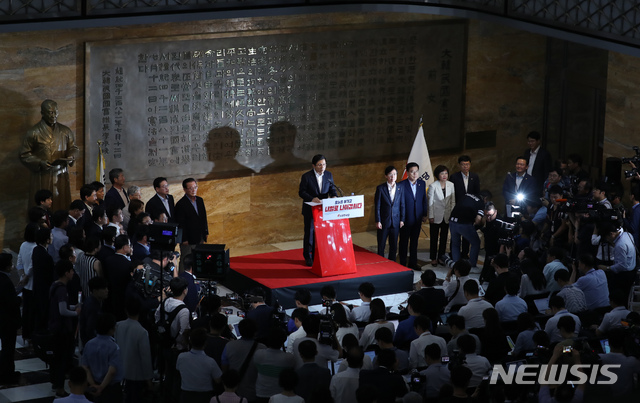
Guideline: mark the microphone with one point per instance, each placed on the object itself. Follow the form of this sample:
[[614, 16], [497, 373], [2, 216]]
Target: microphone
[[333, 185]]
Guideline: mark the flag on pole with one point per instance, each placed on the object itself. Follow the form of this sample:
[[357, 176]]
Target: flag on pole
[[100, 167], [420, 155]]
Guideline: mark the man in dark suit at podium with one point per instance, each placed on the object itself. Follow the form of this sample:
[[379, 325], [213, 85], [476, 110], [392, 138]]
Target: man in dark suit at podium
[[414, 191], [389, 209], [465, 182], [315, 185], [162, 202]]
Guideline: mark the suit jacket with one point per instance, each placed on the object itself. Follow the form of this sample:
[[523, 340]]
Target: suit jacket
[[473, 186], [415, 207], [117, 269], [440, 205], [541, 167], [387, 212], [9, 304], [309, 189], [138, 252], [194, 224], [86, 220], [113, 199], [104, 252], [527, 187], [155, 207]]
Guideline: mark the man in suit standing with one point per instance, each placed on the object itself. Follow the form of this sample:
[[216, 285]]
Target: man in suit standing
[[315, 185], [540, 161], [162, 202], [465, 182], [414, 191], [191, 216], [116, 197], [117, 269], [519, 183], [390, 211], [10, 319], [89, 197]]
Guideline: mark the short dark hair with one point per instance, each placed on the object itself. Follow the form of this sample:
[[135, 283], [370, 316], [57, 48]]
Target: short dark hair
[[97, 283], [433, 351], [457, 321], [575, 158], [308, 349], [316, 158], [355, 355], [105, 323], [187, 261], [303, 295], [86, 190], [111, 211], [561, 275], [157, 181], [556, 252], [63, 267], [617, 297], [97, 185], [439, 169], [566, 323], [512, 285], [59, 217], [534, 135], [109, 234], [276, 337], [422, 322], [602, 186], [471, 287], [411, 165], [464, 158], [30, 231], [388, 169], [77, 204], [486, 194], [587, 260], [384, 334], [65, 251], [463, 267], [300, 314], [114, 173], [120, 242], [247, 328], [218, 321], [556, 302], [367, 289], [178, 285], [428, 278], [187, 182], [98, 213], [522, 157], [132, 306], [501, 260], [42, 195], [78, 376], [328, 291], [417, 303], [460, 376], [198, 338], [288, 379], [467, 344], [230, 378], [311, 324], [43, 235], [387, 358], [556, 190], [556, 169]]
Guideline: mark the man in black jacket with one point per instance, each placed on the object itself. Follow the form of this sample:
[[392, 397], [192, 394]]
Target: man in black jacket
[[10, 319], [191, 216]]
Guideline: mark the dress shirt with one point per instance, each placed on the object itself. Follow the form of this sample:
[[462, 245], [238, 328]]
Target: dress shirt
[[123, 196], [595, 288], [465, 180], [549, 270], [573, 298], [165, 202], [344, 385], [532, 160], [452, 345], [551, 328], [197, 371], [416, 351], [510, 307], [24, 262], [392, 191], [414, 187], [360, 313], [319, 179], [472, 312], [612, 319], [299, 333], [436, 376], [629, 367], [99, 354], [479, 366], [624, 253]]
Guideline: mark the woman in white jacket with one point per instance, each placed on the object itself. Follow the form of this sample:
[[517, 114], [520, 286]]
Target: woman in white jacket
[[442, 199]]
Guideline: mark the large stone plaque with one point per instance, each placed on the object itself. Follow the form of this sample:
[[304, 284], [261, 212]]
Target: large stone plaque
[[232, 104]]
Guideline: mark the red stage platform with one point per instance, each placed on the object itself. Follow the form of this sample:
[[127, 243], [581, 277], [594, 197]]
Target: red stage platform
[[282, 273]]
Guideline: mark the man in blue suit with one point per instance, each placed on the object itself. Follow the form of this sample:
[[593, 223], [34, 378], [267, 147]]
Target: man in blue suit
[[315, 185], [414, 191], [521, 183], [389, 208]]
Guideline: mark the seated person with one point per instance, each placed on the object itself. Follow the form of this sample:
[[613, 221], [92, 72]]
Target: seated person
[[472, 311], [573, 297], [436, 375], [619, 313], [416, 351], [389, 383], [377, 319], [361, 313], [302, 299], [434, 298], [453, 289], [558, 310], [405, 334], [479, 365], [511, 305], [457, 327], [384, 339]]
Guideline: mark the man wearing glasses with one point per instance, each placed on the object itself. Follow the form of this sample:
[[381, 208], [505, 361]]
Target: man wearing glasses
[[162, 202]]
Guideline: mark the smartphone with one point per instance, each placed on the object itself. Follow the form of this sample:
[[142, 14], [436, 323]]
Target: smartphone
[[445, 360], [567, 349], [79, 297], [241, 314], [228, 311]]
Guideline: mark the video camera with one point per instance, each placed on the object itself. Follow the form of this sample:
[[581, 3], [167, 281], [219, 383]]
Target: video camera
[[635, 160], [507, 230], [147, 281]]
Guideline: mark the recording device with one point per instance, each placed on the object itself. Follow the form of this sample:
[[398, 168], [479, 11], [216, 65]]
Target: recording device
[[445, 359], [147, 280], [635, 160], [326, 303], [567, 349], [508, 229], [240, 314], [327, 332], [79, 297], [417, 380], [163, 236], [211, 261], [228, 311]]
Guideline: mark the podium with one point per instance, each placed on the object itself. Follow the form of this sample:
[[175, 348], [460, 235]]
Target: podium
[[333, 253]]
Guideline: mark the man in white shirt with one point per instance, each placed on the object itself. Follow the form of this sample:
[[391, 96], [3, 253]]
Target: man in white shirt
[[472, 312], [344, 384], [298, 315], [361, 313], [416, 351], [556, 304]]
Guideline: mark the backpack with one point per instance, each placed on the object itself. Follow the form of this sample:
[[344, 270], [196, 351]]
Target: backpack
[[163, 327]]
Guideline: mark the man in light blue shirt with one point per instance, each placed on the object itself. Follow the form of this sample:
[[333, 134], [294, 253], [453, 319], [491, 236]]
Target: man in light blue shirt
[[621, 274], [554, 263], [511, 306], [593, 283]]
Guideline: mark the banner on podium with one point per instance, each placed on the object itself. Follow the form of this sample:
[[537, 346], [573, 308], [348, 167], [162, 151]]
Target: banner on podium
[[339, 208]]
